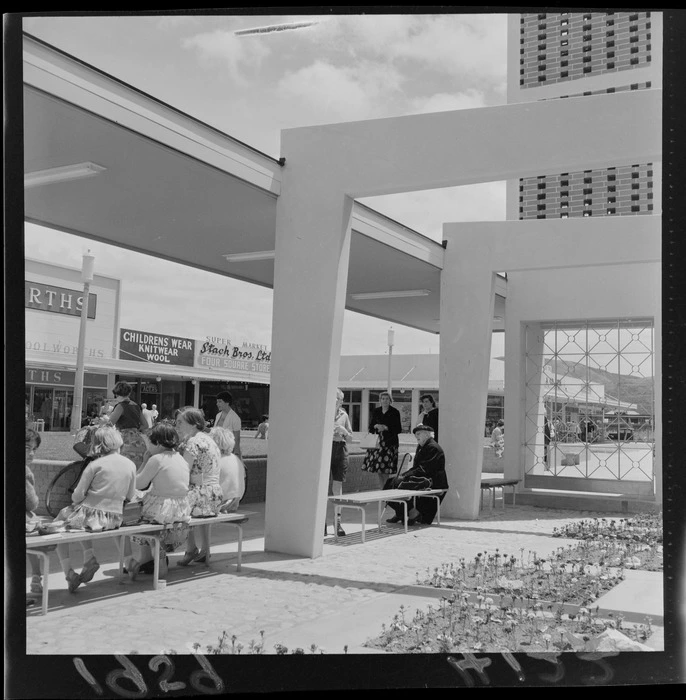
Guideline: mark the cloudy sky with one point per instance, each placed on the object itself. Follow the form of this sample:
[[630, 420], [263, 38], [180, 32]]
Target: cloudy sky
[[341, 68]]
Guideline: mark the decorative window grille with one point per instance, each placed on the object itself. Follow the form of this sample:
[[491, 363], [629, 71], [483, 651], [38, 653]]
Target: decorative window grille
[[594, 383]]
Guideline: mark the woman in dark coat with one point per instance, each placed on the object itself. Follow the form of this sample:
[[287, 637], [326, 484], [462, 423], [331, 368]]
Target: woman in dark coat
[[429, 462], [385, 422]]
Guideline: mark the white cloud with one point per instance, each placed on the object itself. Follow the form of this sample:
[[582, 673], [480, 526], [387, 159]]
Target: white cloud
[[471, 47], [225, 49], [327, 93]]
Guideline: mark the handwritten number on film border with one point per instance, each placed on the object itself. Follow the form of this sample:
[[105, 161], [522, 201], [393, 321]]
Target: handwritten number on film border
[[198, 678], [470, 661]]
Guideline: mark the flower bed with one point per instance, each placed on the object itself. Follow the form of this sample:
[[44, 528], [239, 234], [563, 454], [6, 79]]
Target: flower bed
[[495, 624], [523, 602]]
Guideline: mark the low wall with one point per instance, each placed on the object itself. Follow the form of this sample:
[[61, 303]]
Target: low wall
[[44, 471], [357, 480]]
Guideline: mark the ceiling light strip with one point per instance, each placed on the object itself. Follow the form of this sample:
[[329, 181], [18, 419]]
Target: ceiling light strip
[[399, 294]]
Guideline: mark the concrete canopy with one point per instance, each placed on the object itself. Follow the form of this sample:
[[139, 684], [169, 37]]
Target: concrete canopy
[[180, 190]]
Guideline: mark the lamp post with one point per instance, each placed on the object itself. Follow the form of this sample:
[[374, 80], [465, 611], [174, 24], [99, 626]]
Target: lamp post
[[391, 338], [86, 278]]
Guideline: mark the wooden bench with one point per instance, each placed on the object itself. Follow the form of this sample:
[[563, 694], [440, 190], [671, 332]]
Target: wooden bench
[[380, 497], [42, 545], [490, 485]]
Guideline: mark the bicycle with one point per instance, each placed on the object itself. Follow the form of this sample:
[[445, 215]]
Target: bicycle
[[62, 487]]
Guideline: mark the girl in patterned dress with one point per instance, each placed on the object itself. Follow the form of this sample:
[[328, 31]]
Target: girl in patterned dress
[[166, 501], [205, 495], [98, 500]]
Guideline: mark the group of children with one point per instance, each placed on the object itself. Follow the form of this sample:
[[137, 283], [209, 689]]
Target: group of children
[[186, 472]]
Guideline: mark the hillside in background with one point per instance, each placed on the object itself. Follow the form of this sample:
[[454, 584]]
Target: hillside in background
[[637, 390]]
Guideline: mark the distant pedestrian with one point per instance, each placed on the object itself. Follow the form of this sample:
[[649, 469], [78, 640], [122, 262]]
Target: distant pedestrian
[[228, 418], [155, 413], [263, 428], [498, 438], [147, 415]]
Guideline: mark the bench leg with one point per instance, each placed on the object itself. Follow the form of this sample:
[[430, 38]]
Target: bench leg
[[156, 559], [45, 574], [122, 539], [240, 546]]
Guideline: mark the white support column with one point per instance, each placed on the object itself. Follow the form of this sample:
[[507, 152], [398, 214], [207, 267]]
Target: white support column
[[364, 411], [415, 408], [310, 278], [533, 407], [467, 303]]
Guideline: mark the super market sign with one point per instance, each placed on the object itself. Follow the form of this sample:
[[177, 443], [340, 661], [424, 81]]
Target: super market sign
[[154, 347]]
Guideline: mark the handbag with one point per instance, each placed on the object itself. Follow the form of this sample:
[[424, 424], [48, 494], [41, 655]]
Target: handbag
[[415, 482], [369, 442]]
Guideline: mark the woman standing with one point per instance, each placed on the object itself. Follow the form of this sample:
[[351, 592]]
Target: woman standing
[[429, 413], [128, 419], [205, 495], [385, 422]]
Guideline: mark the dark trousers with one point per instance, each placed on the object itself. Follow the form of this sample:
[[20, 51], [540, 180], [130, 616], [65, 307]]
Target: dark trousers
[[427, 507]]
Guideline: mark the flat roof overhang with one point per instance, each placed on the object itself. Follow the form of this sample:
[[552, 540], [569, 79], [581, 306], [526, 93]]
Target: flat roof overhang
[[181, 190]]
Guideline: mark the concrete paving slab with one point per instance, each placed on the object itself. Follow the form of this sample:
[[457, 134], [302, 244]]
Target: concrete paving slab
[[342, 597]]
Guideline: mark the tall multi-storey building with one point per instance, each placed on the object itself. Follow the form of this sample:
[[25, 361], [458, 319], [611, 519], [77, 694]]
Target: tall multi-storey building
[[562, 55]]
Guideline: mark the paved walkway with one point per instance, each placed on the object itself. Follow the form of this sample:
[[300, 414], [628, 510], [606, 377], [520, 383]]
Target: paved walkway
[[341, 598]]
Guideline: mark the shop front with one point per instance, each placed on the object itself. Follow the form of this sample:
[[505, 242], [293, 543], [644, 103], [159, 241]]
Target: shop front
[[49, 397]]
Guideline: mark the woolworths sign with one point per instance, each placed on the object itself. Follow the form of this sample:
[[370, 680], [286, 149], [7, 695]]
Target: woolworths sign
[[153, 347]]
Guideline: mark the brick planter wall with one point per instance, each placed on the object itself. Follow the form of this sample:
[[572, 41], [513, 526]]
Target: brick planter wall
[[357, 480], [44, 471]]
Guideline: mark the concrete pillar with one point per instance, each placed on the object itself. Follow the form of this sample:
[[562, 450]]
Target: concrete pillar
[[534, 406], [467, 303], [310, 278], [415, 408], [364, 411]]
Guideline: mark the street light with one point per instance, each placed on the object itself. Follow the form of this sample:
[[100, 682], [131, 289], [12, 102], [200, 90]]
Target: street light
[[391, 338], [77, 404]]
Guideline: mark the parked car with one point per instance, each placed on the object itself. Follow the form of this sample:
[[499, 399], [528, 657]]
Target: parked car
[[619, 429]]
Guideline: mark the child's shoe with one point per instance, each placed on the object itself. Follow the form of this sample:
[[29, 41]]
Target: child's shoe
[[36, 586], [188, 558], [89, 569], [134, 568], [74, 581], [202, 558]]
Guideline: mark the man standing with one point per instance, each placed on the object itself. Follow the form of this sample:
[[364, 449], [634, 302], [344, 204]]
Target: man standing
[[228, 418], [342, 435], [154, 413], [147, 415], [429, 462]]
